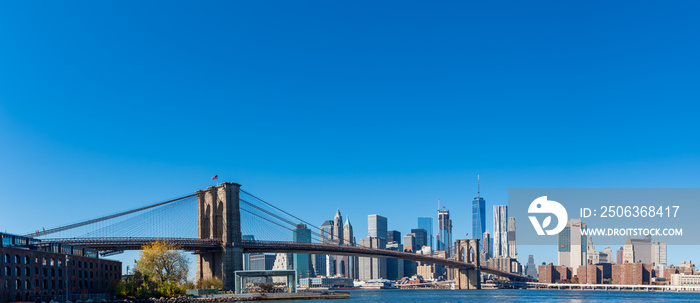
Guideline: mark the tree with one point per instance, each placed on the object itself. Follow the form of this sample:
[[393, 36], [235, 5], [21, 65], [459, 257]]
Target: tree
[[163, 265], [211, 283]]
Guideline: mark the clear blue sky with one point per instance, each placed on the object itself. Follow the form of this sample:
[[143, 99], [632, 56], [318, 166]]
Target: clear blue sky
[[376, 107]]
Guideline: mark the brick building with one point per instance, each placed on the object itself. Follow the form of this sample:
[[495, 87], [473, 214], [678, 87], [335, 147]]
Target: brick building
[[594, 274], [31, 270], [554, 273], [632, 273]]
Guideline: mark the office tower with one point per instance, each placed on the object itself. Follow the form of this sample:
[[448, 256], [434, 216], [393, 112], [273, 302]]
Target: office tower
[[393, 236], [421, 238], [658, 253], [302, 262], [409, 242], [327, 237], [376, 226], [338, 227], [512, 252], [347, 233], [531, 268], [246, 256], [426, 223], [572, 245], [500, 231], [394, 267], [319, 263], [486, 248], [628, 252], [351, 266], [261, 262], [372, 268], [620, 256], [444, 240], [479, 215], [283, 261], [642, 250]]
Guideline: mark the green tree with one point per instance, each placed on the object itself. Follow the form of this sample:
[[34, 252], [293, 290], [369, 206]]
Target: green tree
[[164, 266], [211, 283]]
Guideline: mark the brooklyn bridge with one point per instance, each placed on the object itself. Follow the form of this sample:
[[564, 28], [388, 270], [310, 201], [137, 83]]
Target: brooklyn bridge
[[211, 224]]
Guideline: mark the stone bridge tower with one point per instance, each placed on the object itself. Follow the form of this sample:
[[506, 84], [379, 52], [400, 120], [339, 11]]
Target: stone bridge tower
[[467, 250], [219, 217]]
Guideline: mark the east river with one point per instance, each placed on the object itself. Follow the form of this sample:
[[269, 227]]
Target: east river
[[510, 295]]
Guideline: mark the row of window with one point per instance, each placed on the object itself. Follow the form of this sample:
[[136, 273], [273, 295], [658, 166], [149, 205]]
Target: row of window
[[19, 284], [16, 259]]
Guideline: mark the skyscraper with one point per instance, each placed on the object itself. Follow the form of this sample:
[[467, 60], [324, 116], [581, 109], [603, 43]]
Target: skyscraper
[[444, 239], [351, 266], [478, 214], [372, 268], [486, 248], [302, 262], [500, 231], [376, 226], [421, 238], [512, 252], [327, 237], [393, 236], [658, 253], [572, 245], [326, 230], [338, 227], [531, 268], [426, 223]]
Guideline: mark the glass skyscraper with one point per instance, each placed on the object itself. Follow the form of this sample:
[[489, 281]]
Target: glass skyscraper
[[427, 224], [444, 239], [478, 218]]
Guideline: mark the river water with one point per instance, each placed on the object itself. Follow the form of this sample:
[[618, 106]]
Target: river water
[[510, 295]]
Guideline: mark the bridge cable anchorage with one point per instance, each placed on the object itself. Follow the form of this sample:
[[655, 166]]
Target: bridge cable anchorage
[[41, 233]]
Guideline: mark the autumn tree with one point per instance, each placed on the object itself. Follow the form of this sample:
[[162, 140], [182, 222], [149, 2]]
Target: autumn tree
[[163, 265]]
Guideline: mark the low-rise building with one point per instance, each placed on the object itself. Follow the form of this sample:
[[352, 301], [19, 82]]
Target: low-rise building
[[324, 282], [31, 270], [685, 280]]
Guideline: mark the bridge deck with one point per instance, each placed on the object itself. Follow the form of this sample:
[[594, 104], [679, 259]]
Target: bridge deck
[[203, 245]]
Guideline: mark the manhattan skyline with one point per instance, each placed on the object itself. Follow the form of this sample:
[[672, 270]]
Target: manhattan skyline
[[110, 106]]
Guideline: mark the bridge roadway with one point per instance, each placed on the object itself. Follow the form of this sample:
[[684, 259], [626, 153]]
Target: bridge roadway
[[119, 244]]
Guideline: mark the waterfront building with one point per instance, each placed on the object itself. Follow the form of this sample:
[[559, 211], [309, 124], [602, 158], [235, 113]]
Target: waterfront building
[[261, 261], [444, 237], [393, 236], [34, 271], [550, 273], [426, 223], [530, 267], [372, 268], [572, 245], [594, 273], [302, 262], [326, 282], [631, 273], [377, 226], [427, 271], [512, 252], [500, 231], [421, 238], [319, 264], [685, 280]]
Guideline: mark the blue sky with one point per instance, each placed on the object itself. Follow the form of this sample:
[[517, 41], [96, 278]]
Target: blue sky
[[373, 107]]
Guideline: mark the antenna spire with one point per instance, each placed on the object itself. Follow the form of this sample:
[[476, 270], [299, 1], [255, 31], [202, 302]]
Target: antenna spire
[[438, 204], [478, 187]]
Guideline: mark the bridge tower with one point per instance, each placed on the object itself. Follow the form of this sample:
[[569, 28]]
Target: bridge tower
[[468, 251], [219, 217]]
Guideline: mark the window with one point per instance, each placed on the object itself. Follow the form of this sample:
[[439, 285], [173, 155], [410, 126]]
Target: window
[[27, 260], [7, 271], [17, 260], [52, 262], [43, 261], [18, 272], [27, 271]]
